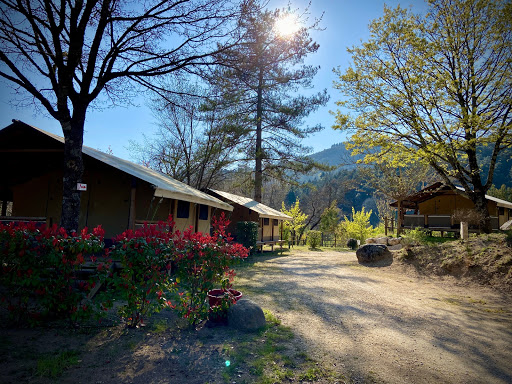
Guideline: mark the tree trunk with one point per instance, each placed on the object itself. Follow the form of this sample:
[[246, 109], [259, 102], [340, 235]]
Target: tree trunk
[[258, 170], [72, 172], [481, 207], [399, 219]]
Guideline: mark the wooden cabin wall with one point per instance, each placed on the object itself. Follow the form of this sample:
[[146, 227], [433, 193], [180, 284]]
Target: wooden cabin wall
[[39, 197], [240, 213], [107, 201], [447, 203]]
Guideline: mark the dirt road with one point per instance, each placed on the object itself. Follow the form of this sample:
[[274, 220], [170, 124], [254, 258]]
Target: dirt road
[[387, 324]]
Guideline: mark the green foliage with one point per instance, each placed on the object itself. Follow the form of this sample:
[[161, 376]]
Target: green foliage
[[330, 218], [314, 239], [143, 282], [414, 237], [352, 243], [53, 366], [508, 239], [359, 226], [433, 88], [259, 87], [40, 271], [203, 262], [297, 225], [247, 234], [504, 192]]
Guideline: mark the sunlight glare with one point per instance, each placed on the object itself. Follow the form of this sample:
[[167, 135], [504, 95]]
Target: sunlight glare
[[287, 25]]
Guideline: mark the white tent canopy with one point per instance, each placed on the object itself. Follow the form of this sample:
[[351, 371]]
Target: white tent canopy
[[262, 209]]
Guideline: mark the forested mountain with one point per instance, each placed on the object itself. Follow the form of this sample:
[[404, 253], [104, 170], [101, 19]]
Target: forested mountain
[[338, 155]]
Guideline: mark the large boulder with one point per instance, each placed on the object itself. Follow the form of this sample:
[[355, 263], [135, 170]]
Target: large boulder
[[370, 253], [394, 241], [246, 315], [506, 226], [381, 240]]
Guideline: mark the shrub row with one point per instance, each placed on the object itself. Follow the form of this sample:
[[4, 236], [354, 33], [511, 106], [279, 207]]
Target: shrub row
[[42, 271]]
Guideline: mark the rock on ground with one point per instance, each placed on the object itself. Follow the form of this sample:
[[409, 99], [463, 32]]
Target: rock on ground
[[373, 252], [246, 315]]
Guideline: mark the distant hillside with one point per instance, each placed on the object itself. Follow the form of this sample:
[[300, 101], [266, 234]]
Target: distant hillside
[[336, 155]]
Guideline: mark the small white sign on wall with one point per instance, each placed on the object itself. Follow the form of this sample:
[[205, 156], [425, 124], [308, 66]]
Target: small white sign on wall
[[81, 187]]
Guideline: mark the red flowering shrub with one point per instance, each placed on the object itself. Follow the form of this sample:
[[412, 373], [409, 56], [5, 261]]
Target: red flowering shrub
[[143, 282], [40, 267], [203, 262], [41, 270]]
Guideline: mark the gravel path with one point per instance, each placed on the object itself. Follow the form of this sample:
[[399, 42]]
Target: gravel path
[[387, 324]]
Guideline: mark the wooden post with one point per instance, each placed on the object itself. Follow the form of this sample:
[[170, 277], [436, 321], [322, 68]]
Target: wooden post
[[4, 208], [386, 225], [464, 230]]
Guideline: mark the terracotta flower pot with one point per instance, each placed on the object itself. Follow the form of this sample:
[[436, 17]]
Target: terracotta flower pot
[[215, 296]]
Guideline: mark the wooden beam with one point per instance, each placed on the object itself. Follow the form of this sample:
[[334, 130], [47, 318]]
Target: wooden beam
[[133, 205]]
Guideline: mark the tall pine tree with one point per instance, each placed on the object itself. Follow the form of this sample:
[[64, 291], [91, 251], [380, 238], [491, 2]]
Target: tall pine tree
[[260, 82]]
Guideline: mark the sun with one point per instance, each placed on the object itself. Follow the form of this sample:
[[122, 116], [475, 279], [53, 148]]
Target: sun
[[287, 25]]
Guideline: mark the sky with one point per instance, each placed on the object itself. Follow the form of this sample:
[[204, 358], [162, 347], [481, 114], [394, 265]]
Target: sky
[[344, 23]]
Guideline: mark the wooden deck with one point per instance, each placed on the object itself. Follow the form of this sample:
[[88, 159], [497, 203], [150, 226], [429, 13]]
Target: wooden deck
[[260, 244]]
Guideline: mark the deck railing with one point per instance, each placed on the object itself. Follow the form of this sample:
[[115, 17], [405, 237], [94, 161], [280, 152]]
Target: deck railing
[[438, 221]]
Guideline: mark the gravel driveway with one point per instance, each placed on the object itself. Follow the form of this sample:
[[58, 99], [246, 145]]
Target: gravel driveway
[[387, 324]]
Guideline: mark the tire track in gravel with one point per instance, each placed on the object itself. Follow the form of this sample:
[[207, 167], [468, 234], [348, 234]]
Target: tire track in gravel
[[387, 324]]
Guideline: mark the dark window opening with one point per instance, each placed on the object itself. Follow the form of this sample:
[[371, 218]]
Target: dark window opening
[[183, 209], [266, 221], [276, 222], [501, 211], [5, 208], [203, 212]]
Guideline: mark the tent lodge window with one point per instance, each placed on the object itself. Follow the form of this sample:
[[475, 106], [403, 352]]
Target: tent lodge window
[[266, 221], [275, 222], [183, 209], [203, 212]]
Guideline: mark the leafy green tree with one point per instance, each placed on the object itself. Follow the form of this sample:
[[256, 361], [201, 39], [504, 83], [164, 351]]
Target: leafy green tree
[[359, 226], [69, 56], [330, 218], [397, 182], [504, 192], [259, 82], [436, 88], [297, 225]]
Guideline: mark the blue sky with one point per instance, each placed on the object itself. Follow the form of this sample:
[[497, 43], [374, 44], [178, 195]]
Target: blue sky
[[345, 24]]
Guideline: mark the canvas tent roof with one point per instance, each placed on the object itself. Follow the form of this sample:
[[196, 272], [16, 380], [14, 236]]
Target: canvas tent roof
[[262, 209], [438, 188], [164, 185]]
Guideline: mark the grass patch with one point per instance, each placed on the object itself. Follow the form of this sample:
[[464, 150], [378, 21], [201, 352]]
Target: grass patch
[[53, 366], [160, 326], [270, 356]]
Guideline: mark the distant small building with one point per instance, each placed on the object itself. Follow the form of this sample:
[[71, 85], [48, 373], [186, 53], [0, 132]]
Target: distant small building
[[245, 209], [433, 208], [118, 194]]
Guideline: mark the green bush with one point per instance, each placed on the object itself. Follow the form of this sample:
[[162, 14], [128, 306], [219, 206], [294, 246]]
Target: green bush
[[508, 239], [314, 239], [414, 237], [352, 243], [247, 234]]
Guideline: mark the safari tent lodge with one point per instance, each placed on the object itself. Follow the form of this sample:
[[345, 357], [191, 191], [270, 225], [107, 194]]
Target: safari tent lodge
[[433, 208], [246, 209], [116, 193]]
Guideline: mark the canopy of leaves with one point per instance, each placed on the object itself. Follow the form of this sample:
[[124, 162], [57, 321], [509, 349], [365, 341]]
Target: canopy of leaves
[[434, 88]]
